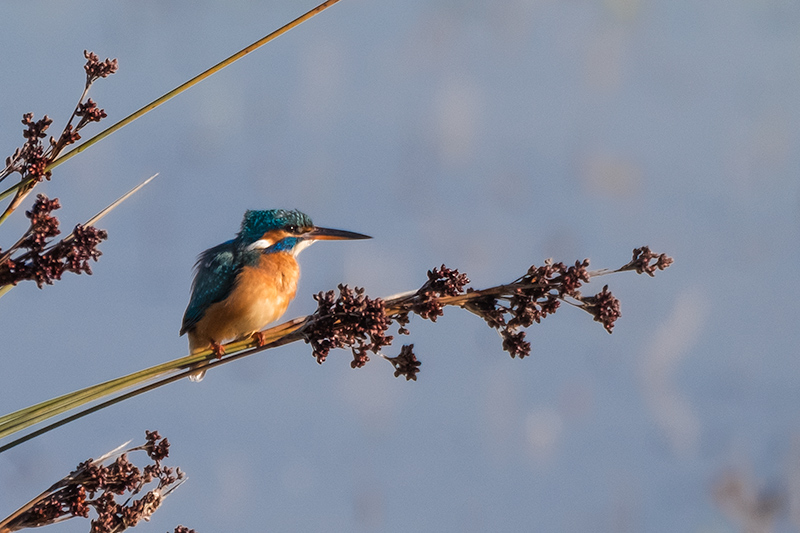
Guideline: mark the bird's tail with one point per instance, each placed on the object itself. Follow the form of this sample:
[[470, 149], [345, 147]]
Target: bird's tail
[[197, 376], [195, 347]]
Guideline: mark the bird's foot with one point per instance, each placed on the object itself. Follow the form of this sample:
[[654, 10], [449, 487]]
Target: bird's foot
[[258, 336], [217, 349]]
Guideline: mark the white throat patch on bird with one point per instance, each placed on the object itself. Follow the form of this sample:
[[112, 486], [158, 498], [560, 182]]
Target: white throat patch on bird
[[302, 245]]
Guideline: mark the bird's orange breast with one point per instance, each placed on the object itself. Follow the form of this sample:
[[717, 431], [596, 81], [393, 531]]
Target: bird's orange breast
[[260, 295]]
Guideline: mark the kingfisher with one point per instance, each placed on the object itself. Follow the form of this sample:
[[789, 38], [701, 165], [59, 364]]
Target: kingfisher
[[245, 283]]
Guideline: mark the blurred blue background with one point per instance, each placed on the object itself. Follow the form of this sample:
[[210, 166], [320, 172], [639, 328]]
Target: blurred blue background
[[484, 135]]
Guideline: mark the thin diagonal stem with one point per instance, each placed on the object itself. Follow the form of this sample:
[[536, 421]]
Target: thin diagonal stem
[[174, 92]]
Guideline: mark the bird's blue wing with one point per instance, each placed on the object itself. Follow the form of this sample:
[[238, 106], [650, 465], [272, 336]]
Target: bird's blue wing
[[215, 276]]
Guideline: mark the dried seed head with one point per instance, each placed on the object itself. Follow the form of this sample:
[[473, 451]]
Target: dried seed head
[[98, 69], [349, 320], [604, 307], [515, 344], [405, 364], [90, 112], [74, 495], [643, 262]]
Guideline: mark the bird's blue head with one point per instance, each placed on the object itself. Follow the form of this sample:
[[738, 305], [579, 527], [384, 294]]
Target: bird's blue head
[[256, 224], [287, 231]]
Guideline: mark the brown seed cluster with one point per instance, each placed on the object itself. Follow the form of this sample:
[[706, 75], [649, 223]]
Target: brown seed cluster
[[528, 300], [405, 364], [44, 226], [604, 307], [31, 160], [441, 282], [33, 259], [95, 485], [89, 112], [646, 262], [354, 320], [96, 69], [30, 258], [351, 320]]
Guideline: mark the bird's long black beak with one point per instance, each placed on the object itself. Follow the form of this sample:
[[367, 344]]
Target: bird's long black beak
[[327, 234]]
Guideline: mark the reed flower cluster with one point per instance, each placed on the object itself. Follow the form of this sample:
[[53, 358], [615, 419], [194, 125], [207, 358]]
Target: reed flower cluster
[[354, 320], [35, 256], [109, 486]]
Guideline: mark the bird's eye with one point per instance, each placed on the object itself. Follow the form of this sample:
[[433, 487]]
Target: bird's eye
[[291, 228]]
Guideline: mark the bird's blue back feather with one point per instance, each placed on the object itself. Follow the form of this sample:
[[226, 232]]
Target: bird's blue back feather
[[216, 274]]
